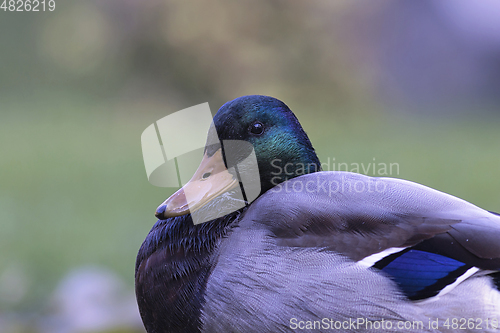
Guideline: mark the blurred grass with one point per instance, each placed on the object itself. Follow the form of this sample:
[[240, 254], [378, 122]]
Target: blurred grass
[[74, 189]]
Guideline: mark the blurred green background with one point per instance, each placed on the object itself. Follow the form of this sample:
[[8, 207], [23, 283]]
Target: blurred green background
[[413, 83]]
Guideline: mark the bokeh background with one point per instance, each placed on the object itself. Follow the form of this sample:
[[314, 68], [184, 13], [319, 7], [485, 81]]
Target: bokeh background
[[393, 81]]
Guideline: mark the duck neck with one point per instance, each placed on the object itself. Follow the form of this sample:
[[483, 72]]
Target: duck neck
[[283, 168]]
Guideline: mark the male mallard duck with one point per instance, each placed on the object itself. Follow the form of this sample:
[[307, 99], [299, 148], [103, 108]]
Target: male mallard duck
[[316, 251]]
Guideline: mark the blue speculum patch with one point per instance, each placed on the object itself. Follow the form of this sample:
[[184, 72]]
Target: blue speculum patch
[[423, 274]]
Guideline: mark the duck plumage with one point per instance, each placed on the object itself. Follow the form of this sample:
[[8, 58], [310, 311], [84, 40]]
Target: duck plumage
[[317, 249]]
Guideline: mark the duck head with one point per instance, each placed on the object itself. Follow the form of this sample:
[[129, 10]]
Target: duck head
[[263, 126]]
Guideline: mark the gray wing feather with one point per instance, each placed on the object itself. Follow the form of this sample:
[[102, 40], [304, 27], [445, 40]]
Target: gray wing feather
[[357, 215]]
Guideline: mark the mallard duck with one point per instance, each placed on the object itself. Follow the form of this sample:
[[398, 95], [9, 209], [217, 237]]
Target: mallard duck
[[316, 251]]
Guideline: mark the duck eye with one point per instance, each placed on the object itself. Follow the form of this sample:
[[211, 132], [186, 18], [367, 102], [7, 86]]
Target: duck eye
[[206, 175], [256, 128]]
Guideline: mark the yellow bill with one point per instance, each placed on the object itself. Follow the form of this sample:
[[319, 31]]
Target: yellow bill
[[210, 180]]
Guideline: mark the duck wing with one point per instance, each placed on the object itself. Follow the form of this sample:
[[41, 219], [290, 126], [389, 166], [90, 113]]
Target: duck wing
[[424, 239]]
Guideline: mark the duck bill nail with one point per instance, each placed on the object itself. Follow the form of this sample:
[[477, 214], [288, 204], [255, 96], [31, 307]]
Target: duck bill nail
[[176, 205], [210, 180]]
